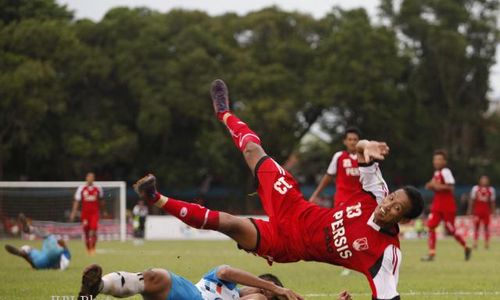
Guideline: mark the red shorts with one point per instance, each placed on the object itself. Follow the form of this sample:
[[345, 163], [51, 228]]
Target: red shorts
[[435, 217], [482, 217], [278, 239], [90, 221]]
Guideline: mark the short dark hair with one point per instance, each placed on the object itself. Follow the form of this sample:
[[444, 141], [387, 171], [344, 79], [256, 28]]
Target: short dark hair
[[416, 200], [270, 277], [352, 129], [441, 152], [274, 279]]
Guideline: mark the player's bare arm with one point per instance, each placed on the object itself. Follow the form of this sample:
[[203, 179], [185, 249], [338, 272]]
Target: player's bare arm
[[245, 278], [437, 186], [102, 206], [325, 181], [74, 210]]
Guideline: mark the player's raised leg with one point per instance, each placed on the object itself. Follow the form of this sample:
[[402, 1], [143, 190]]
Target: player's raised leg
[[22, 252], [242, 230], [243, 137]]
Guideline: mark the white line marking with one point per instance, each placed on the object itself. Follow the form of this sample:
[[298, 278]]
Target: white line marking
[[442, 293]]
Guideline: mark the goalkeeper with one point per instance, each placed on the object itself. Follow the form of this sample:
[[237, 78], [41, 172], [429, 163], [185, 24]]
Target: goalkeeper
[[53, 255]]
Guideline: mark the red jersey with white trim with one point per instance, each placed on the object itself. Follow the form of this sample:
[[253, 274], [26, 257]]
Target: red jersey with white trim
[[89, 196], [345, 235], [344, 166], [482, 196], [444, 201]]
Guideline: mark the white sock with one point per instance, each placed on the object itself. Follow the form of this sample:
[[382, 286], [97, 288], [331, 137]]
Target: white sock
[[122, 284]]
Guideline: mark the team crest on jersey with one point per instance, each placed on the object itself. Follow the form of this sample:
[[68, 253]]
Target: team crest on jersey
[[346, 163], [361, 244], [183, 212]]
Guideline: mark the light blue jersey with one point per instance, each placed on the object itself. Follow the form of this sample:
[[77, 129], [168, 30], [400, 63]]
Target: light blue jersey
[[210, 287], [213, 288], [51, 254]]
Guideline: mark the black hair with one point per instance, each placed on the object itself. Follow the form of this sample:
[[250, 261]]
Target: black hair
[[272, 278], [416, 200], [352, 129], [441, 152]]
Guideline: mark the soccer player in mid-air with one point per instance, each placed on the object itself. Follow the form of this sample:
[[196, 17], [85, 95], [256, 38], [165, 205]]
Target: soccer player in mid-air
[[91, 197], [220, 283], [443, 206], [361, 234], [482, 205], [53, 255]]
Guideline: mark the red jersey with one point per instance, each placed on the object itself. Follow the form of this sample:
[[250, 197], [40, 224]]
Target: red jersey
[[89, 196], [344, 166], [444, 201], [345, 235], [482, 196]]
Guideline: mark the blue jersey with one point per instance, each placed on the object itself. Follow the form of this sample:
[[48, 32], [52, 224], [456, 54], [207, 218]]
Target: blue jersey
[[49, 257], [210, 287]]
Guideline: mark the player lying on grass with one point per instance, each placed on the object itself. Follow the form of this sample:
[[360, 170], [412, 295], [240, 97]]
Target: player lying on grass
[[219, 283], [361, 234], [53, 255]]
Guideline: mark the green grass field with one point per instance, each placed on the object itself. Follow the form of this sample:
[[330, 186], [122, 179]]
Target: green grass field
[[447, 278]]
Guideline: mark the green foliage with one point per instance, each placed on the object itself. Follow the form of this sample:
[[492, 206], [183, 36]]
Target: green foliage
[[129, 94]]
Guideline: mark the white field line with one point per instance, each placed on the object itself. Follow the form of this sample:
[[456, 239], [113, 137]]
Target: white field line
[[442, 293]]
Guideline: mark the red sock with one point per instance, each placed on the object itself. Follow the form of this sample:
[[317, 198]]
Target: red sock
[[93, 240], [451, 229], [476, 233], [87, 238], [240, 132], [487, 234], [432, 241], [192, 214]]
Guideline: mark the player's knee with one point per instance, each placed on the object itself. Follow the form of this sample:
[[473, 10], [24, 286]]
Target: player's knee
[[228, 224], [156, 280]]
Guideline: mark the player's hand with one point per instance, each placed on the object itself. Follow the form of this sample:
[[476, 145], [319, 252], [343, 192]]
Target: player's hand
[[375, 150], [315, 200], [72, 217], [430, 185], [284, 293], [344, 296]]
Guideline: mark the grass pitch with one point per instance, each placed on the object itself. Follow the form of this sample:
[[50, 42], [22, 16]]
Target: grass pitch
[[449, 277]]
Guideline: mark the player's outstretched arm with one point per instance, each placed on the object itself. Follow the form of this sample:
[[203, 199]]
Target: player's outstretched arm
[[245, 278], [371, 150], [370, 175]]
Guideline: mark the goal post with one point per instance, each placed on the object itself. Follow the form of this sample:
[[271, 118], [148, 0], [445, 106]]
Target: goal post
[[52, 201]]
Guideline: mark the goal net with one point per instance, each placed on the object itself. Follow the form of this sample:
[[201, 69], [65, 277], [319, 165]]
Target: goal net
[[48, 204]]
